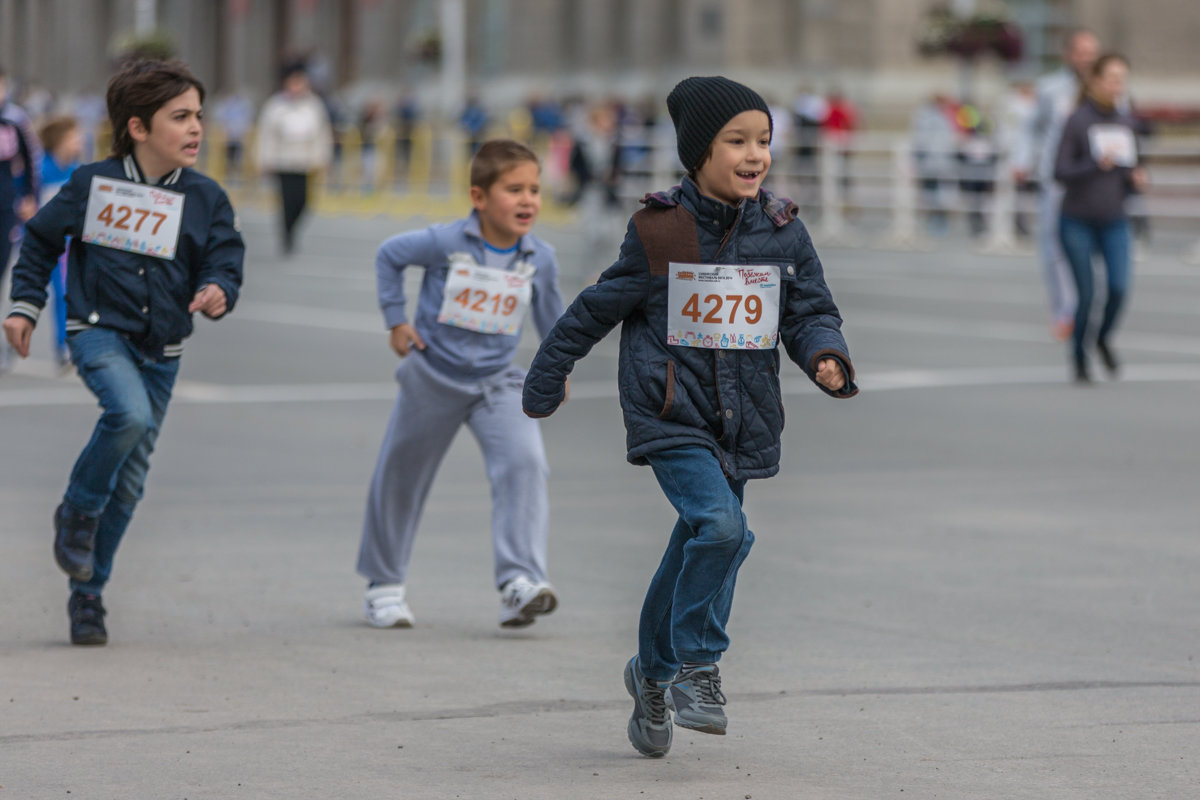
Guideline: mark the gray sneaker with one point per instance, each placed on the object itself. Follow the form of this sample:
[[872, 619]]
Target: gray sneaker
[[650, 724], [695, 697]]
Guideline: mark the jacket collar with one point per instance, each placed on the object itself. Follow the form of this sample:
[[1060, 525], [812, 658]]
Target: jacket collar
[[134, 172], [780, 210]]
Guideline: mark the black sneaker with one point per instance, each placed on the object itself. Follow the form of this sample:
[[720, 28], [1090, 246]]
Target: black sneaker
[[650, 725], [695, 697], [74, 541], [1109, 358], [87, 619], [1082, 374]]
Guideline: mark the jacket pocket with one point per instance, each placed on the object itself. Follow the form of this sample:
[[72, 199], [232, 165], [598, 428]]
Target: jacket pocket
[[668, 391]]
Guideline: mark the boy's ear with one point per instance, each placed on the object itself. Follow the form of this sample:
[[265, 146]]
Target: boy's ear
[[137, 129], [478, 195]]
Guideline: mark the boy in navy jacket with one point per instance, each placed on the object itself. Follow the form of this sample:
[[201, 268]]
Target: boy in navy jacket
[[712, 276], [152, 242]]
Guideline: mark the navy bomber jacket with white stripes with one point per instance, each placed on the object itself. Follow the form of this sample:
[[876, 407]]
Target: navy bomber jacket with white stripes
[[142, 296]]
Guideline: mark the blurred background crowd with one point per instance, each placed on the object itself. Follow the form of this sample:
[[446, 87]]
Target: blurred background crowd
[[883, 111]]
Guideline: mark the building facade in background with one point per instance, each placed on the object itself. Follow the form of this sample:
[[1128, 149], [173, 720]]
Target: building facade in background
[[507, 49]]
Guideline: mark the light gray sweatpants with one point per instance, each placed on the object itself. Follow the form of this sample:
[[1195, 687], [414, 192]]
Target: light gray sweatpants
[[429, 410], [1060, 282]]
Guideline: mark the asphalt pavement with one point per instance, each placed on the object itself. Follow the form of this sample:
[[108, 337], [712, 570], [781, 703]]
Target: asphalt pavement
[[974, 580]]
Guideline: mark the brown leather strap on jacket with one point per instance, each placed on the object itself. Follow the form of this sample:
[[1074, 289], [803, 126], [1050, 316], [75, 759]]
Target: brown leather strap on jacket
[[667, 234]]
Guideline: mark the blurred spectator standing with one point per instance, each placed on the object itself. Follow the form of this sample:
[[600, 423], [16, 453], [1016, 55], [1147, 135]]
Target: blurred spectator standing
[[595, 157], [235, 114], [977, 158], [20, 159], [1014, 114], [295, 141], [1056, 97], [62, 143], [92, 112], [934, 141], [405, 117], [474, 122], [838, 128], [372, 124], [808, 113]]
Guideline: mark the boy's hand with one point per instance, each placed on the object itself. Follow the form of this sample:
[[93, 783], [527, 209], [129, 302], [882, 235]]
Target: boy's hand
[[209, 301], [19, 330], [26, 209], [405, 338], [1139, 178], [829, 374], [566, 391]]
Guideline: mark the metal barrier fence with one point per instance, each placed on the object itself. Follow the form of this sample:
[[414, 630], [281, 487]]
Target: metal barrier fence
[[836, 182]]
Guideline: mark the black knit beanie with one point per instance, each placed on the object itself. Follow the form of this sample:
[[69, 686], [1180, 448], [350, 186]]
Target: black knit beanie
[[700, 107]]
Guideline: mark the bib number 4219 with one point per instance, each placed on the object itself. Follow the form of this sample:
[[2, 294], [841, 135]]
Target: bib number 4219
[[499, 304]]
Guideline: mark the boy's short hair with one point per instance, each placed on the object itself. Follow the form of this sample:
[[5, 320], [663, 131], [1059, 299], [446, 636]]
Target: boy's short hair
[[496, 157], [54, 130], [140, 89]]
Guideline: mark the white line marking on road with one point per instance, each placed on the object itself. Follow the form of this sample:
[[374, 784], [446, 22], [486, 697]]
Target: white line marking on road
[[1175, 344], [200, 393]]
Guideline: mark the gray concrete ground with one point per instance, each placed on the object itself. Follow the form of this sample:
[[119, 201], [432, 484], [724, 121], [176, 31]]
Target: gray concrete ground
[[973, 581]]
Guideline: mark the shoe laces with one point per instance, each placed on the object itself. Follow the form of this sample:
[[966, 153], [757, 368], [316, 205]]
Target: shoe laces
[[707, 683], [655, 698], [88, 608]]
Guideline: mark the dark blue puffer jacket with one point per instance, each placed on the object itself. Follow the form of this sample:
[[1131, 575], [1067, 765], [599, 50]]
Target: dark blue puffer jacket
[[726, 400]]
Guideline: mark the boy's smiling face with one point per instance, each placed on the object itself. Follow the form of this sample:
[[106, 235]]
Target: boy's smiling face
[[173, 137], [739, 160], [509, 207]]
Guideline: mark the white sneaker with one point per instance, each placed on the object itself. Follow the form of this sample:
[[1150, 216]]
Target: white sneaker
[[385, 607], [521, 600]]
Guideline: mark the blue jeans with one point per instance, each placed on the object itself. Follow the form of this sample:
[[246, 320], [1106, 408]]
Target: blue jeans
[[1080, 239], [687, 606], [109, 475]]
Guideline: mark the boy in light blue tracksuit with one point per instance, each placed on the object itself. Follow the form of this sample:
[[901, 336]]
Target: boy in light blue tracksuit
[[483, 275]]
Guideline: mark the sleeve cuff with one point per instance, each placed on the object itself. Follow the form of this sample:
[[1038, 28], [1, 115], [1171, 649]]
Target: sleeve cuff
[[25, 309]]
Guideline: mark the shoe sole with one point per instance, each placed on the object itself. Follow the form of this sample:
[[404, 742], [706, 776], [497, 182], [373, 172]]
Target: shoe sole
[[89, 641], [699, 726], [402, 622], [77, 575], [631, 728], [542, 603]]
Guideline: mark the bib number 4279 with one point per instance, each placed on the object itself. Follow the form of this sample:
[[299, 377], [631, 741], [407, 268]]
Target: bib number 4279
[[723, 309]]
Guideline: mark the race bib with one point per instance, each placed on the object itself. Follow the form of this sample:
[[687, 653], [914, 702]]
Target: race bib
[[485, 300], [133, 216], [1115, 141], [723, 307]]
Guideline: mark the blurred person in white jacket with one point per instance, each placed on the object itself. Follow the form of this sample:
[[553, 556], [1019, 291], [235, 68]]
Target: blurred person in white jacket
[[295, 140], [1057, 95]]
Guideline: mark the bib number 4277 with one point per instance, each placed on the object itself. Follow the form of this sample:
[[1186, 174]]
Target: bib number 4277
[[134, 217], [119, 218]]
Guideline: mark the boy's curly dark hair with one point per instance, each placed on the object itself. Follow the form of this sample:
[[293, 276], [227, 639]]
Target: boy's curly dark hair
[[139, 89]]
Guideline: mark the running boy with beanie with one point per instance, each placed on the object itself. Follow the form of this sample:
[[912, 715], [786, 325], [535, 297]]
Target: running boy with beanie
[[713, 274]]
